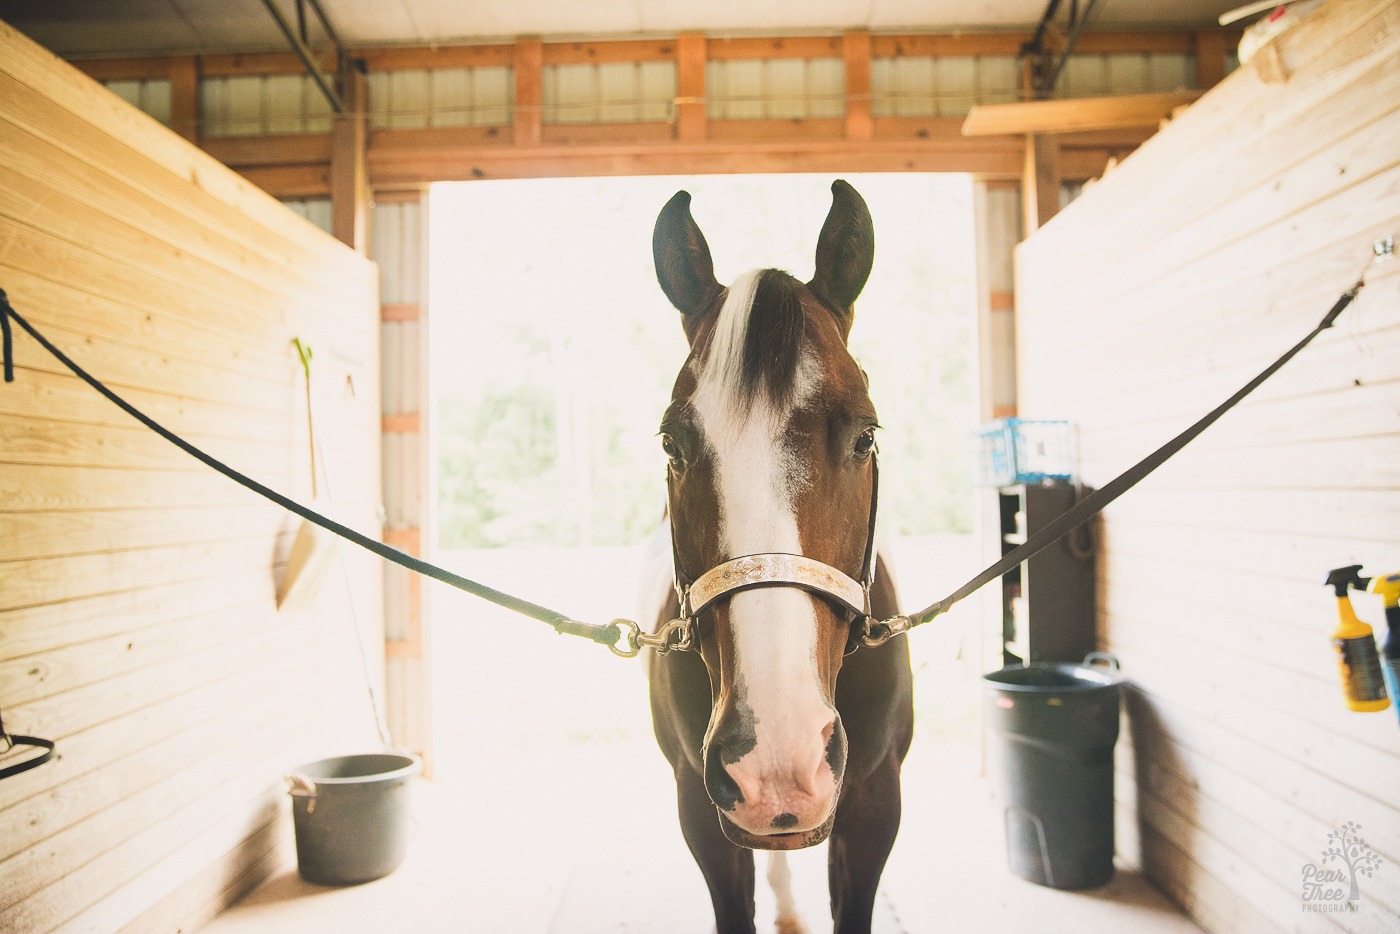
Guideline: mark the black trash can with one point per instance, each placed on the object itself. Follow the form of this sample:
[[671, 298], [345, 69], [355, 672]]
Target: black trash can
[[1051, 733]]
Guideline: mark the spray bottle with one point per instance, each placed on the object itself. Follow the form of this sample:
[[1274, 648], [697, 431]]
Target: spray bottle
[[1388, 586], [1362, 682]]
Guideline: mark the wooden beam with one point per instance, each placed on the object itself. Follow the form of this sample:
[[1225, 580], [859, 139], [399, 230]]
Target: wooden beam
[[691, 115], [598, 53], [855, 52], [1211, 49], [241, 152], [405, 423], [408, 539], [429, 58], [586, 134], [235, 64], [124, 69], [399, 312], [349, 165], [529, 91], [959, 44], [723, 50], [1069, 115], [795, 130], [399, 196], [184, 97], [1040, 183], [406, 167], [291, 181], [403, 161]]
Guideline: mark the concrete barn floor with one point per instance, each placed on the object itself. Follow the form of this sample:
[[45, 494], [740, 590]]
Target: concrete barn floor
[[552, 812], [575, 862]]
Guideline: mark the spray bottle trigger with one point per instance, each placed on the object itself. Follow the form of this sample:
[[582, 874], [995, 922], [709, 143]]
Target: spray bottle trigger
[[1339, 579]]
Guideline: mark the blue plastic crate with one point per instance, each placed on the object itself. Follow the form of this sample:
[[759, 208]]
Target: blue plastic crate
[[1013, 450]]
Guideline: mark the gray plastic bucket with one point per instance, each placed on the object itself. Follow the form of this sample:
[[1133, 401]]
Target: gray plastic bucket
[[350, 815], [1050, 756]]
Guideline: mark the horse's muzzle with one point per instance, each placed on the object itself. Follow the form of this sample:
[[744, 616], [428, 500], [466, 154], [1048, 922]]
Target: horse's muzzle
[[764, 805]]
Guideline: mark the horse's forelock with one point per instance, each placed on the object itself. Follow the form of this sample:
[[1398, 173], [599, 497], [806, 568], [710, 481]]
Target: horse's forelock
[[756, 348]]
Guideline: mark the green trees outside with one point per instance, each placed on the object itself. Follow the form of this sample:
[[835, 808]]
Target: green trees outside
[[553, 350]]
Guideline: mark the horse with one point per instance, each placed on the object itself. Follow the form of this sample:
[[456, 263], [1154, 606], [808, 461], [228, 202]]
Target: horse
[[780, 735]]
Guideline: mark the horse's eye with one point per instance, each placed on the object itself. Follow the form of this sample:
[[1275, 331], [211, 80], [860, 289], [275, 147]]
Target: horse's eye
[[670, 447], [865, 444]]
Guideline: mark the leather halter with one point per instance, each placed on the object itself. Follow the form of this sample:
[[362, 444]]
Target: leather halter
[[778, 569]]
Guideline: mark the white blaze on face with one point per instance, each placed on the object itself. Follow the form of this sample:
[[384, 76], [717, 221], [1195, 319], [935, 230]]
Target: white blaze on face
[[775, 628]]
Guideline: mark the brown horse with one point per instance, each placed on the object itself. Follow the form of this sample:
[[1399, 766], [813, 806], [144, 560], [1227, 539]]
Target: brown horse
[[779, 739]]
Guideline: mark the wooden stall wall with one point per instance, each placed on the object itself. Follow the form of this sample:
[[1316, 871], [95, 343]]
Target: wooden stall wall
[[138, 626], [1168, 285]]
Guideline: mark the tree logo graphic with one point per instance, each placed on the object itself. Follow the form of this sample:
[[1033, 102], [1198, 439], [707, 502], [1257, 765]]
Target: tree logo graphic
[[1337, 879]]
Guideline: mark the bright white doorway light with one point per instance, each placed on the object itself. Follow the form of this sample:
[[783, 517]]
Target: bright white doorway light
[[553, 349]]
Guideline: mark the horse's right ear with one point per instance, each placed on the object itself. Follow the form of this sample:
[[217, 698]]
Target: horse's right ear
[[683, 265]]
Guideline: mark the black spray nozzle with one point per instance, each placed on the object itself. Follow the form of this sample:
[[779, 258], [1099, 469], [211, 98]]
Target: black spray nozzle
[[1339, 579]]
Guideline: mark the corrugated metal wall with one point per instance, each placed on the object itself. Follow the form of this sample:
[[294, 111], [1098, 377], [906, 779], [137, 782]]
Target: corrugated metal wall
[[398, 232]]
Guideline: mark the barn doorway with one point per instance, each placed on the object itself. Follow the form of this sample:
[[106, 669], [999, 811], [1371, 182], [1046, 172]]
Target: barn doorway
[[552, 353]]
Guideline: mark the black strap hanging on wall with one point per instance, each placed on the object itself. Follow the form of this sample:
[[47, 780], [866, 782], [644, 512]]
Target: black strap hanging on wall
[[9, 742]]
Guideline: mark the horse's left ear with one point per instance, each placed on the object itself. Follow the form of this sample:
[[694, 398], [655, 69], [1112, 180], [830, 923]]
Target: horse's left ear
[[683, 265], [845, 251]]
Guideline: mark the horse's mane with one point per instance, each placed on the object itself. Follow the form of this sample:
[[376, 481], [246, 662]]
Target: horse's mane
[[757, 342]]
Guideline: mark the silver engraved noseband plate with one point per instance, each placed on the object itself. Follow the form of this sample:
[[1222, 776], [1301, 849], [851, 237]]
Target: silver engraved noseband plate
[[776, 569]]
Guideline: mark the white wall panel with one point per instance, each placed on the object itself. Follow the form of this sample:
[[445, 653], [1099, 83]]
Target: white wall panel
[[316, 210], [443, 97], [750, 89], [151, 96], [929, 86], [261, 105], [615, 92]]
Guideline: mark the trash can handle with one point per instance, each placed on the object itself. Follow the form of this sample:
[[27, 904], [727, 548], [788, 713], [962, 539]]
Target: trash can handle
[[1106, 658], [299, 784]]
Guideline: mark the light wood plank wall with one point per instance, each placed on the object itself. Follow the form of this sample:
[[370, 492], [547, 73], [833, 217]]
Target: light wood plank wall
[[137, 618], [1165, 287]]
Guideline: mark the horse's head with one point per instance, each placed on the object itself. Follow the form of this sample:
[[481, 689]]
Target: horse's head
[[770, 435]]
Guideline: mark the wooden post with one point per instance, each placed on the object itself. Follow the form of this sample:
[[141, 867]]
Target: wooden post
[[1211, 47], [855, 49], [692, 122], [184, 97], [350, 194], [1040, 180], [529, 91]]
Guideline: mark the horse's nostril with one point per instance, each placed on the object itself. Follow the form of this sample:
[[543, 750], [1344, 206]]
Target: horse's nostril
[[723, 790]]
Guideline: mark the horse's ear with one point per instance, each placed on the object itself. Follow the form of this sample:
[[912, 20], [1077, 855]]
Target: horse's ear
[[683, 265], [845, 250]]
